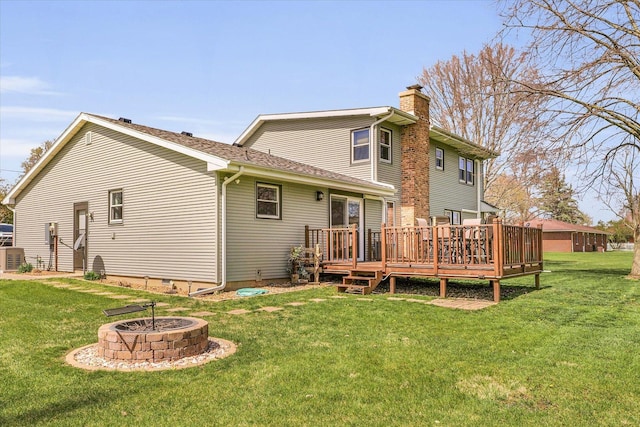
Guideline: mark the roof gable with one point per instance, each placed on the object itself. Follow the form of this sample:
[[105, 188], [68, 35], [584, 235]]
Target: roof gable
[[399, 117]]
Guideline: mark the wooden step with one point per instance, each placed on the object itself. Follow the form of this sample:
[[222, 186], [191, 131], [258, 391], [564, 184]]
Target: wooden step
[[351, 288], [349, 282], [358, 278]]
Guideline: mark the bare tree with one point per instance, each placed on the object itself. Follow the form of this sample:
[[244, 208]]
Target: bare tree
[[35, 155], [620, 192], [589, 54], [474, 96], [6, 215]]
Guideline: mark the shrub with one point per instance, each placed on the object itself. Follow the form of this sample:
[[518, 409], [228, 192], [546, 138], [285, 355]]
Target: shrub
[[25, 268], [91, 275]]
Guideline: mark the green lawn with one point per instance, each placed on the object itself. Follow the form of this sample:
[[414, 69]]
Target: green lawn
[[568, 354]]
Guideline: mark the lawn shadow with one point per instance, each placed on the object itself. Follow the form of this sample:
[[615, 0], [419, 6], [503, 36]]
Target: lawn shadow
[[56, 410], [614, 272], [480, 290]]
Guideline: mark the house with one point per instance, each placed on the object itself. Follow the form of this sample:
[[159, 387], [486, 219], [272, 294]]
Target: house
[[133, 201], [559, 236]]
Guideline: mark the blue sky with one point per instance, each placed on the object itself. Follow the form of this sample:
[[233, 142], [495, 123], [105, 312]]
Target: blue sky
[[211, 67]]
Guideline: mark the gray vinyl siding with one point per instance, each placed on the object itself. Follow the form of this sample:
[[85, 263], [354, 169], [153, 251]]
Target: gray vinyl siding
[[169, 227], [324, 143], [445, 191], [264, 244], [391, 173], [372, 214]]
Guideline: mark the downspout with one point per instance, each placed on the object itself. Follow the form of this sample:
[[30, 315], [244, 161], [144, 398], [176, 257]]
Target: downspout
[[374, 146], [223, 247]]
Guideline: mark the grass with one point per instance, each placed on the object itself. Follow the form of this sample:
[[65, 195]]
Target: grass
[[568, 354]]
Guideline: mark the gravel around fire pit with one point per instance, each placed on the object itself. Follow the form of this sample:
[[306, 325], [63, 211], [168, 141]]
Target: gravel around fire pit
[[87, 358]]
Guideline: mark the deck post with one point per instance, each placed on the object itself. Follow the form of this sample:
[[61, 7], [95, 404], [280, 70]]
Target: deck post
[[354, 246], [537, 280], [522, 249], [443, 287], [306, 236], [316, 263], [436, 251], [498, 247], [383, 245], [392, 285], [327, 245], [496, 290]]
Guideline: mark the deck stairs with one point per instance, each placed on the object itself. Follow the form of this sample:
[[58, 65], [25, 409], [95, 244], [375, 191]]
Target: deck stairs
[[360, 281]]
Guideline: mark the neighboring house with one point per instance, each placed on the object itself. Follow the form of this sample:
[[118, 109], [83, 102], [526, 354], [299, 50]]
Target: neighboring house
[[134, 201], [559, 236]]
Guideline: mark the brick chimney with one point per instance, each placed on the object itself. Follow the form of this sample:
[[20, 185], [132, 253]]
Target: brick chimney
[[415, 157]]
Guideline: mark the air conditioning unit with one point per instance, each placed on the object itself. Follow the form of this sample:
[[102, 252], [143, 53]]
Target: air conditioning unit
[[10, 258]]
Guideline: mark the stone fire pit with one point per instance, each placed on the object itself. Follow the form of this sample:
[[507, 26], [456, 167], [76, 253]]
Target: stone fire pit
[[136, 340]]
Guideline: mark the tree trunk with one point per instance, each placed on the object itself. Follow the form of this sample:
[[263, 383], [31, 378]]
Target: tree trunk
[[635, 267]]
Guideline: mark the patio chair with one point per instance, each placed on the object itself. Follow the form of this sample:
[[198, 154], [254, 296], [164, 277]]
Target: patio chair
[[442, 229], [425, 234], [489, 234], [473, 238]]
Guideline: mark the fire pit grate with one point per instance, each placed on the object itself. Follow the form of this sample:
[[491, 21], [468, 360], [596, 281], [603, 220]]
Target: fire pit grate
[[145, 325]]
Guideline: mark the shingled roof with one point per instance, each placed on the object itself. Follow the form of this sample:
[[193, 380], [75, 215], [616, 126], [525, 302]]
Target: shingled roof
[[219, 155], [240, 155], [554, 225]]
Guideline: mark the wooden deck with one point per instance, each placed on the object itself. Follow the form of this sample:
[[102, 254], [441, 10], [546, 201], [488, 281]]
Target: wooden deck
[[488, 251]]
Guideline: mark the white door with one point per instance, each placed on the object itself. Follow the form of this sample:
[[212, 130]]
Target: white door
[[346, 211]]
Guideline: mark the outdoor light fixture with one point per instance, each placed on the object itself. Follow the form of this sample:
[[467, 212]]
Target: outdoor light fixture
[[319, 195]]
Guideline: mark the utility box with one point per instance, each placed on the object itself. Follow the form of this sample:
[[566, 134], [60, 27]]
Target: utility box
[[11, 258], [50, 232]]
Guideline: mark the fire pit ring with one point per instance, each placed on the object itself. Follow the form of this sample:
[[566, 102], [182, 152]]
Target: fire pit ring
[[136, 339]]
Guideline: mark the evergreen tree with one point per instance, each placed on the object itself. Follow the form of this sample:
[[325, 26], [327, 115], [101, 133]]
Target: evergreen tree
[[557, 199]]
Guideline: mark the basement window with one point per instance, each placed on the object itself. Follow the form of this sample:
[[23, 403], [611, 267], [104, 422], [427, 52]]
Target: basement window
[[268, 201], [115, 206]]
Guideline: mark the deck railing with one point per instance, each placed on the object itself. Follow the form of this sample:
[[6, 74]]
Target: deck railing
[[490, 247]]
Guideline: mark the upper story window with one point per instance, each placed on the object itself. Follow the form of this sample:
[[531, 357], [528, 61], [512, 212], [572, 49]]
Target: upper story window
[[385, 145], [268, 201], [115, 206], [360, 145], [439, 159], [465, 170]]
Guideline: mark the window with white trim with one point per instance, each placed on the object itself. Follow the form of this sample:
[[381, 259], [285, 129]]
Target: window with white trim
[[466, 170], [439, 159], [116, 204], [359, 145], [385, 145], [454, 216], [268, 201]]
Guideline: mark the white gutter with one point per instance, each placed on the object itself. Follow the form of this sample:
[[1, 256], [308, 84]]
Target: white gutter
[[374, 146], [223, 247]]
